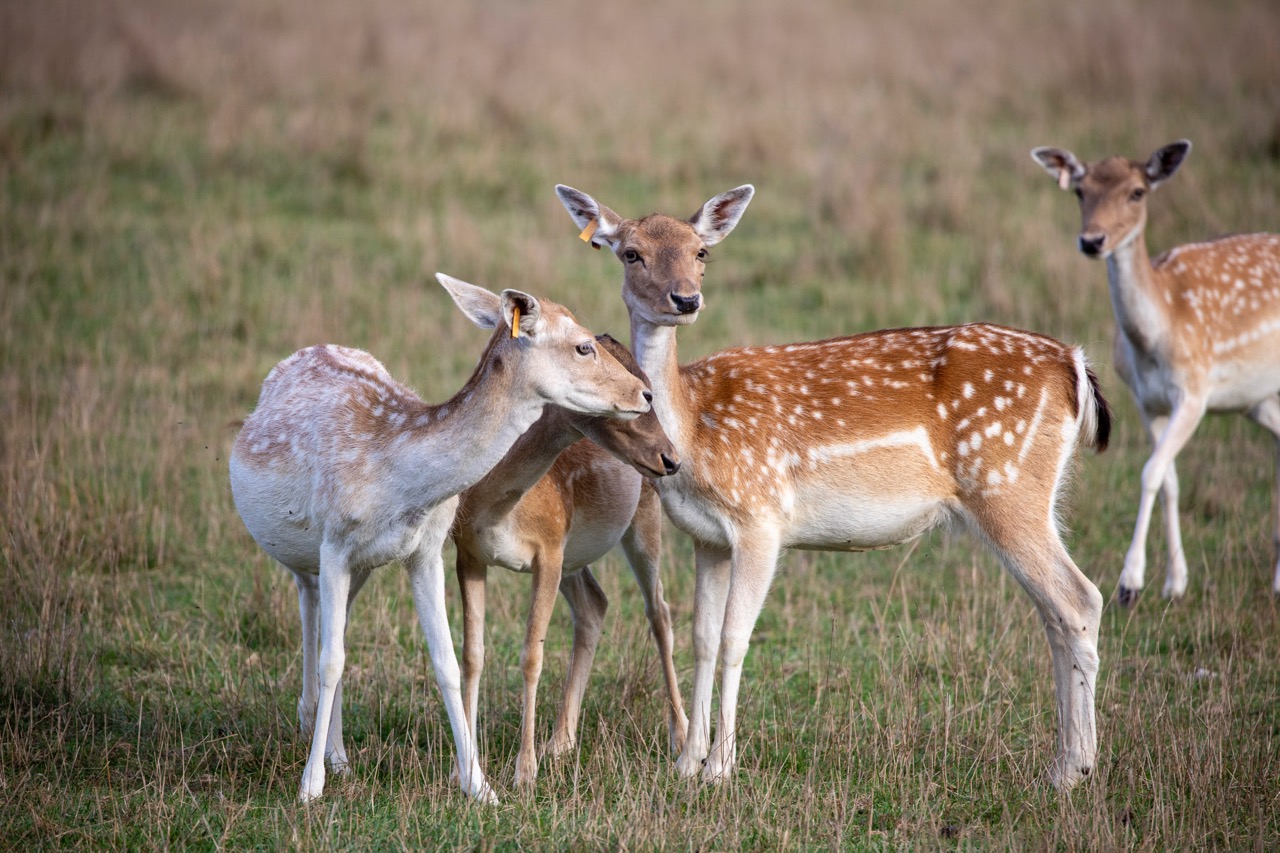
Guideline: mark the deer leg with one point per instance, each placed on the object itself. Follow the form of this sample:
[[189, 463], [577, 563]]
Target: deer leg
[[588, 604], [1267, 414], [711, 590], [335, 753], [1071, 608], [642, 544], [426, 579], [1181, 424], [542, 600], [755, 558], [472, 576], [1175, 582], [335, 581], [309, 610]]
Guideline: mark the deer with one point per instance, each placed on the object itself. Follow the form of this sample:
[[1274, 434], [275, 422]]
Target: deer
[[341, 469], [851, 444], [551, 508], [1197, 331]]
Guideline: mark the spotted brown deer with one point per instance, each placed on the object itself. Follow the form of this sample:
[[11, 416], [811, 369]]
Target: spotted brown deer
[[341, 469], [852, 444], [1197, 331], [553, 506]]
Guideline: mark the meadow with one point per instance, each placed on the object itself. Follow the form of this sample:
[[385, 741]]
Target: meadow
[[193, 190]]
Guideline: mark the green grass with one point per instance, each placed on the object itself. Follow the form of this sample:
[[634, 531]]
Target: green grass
[[189, 195]]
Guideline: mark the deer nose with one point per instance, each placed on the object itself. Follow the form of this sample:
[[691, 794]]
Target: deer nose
[[648, 396], [1091, 244], [669, 465], [686, 304]]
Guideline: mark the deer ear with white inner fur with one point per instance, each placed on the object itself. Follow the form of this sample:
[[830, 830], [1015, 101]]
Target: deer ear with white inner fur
[[481, 306], [1061, 164], [599, 224], [530, 313], [1165, 161], [715, 219]]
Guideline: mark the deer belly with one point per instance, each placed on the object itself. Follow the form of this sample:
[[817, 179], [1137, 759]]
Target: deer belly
[[864, 507]]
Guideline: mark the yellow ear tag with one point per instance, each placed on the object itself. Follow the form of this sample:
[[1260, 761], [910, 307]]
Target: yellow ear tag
[[1064, 178], [515, 321], [587, 232]]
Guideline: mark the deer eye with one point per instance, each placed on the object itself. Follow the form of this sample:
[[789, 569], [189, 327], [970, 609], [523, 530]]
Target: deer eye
[[1137, 194], [631, 256], [702, 254], [585, 348]]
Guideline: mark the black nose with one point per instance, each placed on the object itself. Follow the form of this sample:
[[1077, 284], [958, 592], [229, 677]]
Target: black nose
[[686, 304], [1091, 244], [669, 466], [648, 396]]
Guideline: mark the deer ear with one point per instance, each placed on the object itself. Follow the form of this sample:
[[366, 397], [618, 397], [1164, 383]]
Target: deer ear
[[1165, 162], [599, 224], [481, 307], [1061, 164], [530, 313], [715, 219]]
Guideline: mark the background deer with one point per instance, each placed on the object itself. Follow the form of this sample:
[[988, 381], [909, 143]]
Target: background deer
[[554, 505], [341, 469], [1197, 330], [852, 444]]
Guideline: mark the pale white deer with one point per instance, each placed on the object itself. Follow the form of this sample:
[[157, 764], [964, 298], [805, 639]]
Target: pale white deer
[[853, 444], [341, 469], [1197, 330], [551, 507]]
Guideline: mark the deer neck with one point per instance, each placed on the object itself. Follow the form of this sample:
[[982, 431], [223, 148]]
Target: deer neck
[[654, 347], [467, 436], [526, 462], [1136, 297]]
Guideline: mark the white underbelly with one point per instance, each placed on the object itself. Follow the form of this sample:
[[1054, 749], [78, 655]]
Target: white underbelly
[[861, 521]]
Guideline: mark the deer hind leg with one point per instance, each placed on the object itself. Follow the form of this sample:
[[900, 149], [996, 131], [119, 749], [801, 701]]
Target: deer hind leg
[[1267, 414], [472, 576], [425, 568], [1171, 435], [309, 610], [588, 603], [546, 580], [335, 582], [711, 589], [1070, 606], [642, 543], [335, 753]]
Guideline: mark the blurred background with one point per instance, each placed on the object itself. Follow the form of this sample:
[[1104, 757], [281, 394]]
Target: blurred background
[[192, 190]]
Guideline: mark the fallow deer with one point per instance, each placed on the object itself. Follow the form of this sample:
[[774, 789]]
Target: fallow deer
[[852, 444], [341, 469], [551, 507], [1197, 330]]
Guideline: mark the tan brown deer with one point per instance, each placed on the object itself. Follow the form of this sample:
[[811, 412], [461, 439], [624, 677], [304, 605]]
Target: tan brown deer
[[1197, 330], [341, 469], [552, 507], [852, 444]]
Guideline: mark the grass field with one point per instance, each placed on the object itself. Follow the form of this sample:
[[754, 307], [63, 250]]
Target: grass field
[[193, 190]]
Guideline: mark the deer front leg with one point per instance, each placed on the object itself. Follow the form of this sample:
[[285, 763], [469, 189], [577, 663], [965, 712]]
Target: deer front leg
[[711, 589], [642, 544], [1267, 415], [546, 580], [588, 604], [1178, 430], [426, 579], [754, 561]]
